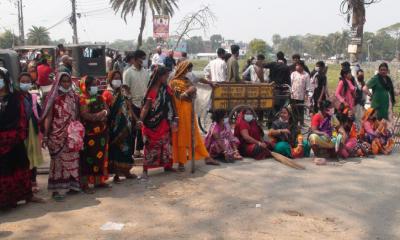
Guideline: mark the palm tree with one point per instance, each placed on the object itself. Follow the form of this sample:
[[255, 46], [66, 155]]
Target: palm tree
[[166, 7], [38, 36]]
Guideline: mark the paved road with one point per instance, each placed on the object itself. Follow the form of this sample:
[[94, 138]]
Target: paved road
[[248, 200]]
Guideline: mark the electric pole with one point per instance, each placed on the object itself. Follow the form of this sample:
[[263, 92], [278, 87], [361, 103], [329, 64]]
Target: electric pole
[[21, 22], [73, 22]]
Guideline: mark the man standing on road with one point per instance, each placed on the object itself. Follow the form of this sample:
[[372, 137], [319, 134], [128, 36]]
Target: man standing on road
[[300, 88], [158, 57], [137, 78], [233, 65], [216, 70], [169, 61], [295, 59]]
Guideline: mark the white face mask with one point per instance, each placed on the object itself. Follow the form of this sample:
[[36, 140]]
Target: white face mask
[[93, 90], [191, 76], [64, 90], [25, 86], [2, 83], [317, 69], [226, 120], [248, 117], [116, 83]]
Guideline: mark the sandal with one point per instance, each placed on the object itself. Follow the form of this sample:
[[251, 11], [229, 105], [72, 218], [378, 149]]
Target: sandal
[[138, 155], [170, 169], [58, 197], [212, 162], [117, 180], [89, 191], [131, 176], [37, 200], [35, 188], [181, 168]]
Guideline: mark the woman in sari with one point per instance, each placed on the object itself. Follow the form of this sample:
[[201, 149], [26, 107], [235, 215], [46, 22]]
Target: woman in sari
[[376, 133], [158, 118], [383, 98], [322, 126], [350, 145], [122, 127], [220, 141], [346, 90], [15, 182], [184, 93], [33, 141], [286, 137], [94, 156], [60, 110], [250, 136]]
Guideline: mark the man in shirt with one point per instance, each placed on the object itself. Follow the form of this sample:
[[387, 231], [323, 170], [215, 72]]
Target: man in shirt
[[137, 78], [119, 64], [158, 57], [183, 58], [300, 88], [44, 71], [233, 65], [169, 61], [216, 70], [257, 72], [295, 59], [65, 64]]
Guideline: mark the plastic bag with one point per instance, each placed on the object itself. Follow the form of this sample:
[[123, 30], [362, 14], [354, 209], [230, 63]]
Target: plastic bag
[[76, 132]]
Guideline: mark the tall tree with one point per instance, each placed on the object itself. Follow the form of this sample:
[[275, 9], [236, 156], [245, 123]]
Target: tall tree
[[355, 11], [38, 36], [126, 7], [216, 41], [7, 39], [258, 46]]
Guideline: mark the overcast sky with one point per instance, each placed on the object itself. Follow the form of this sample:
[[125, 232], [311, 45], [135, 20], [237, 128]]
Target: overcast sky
[[236, 19]]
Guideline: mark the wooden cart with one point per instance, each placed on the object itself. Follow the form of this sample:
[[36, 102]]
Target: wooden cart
[[235, 97]]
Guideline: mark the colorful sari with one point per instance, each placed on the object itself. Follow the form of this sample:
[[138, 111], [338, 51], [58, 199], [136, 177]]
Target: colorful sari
[[64, 164], [15, 182], [255, 131], [229, 141], [321, 144], [376, 133], [94, 156], [157, 131], [122, 134], [181, 140]]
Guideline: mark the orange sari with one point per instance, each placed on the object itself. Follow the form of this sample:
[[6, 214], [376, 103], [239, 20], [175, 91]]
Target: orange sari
[[181, 139]]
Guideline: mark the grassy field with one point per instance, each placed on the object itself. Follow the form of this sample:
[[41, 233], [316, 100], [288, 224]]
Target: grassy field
[[333, 71]]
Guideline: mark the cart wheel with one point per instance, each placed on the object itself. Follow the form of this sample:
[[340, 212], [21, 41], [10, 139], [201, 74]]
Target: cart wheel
[[234, 114], [204, 120]]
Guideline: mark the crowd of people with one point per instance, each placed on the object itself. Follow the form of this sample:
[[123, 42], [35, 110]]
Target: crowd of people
[[92, 134]]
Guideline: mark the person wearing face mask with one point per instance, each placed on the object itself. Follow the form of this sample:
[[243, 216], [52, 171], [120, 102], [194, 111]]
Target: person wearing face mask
[[159, 120], [15, 182], [250, 136], [220, 141], [137, 79], [33, 142], [61, 109], [286, 137], [318, 86], [184, 93], [350, 145], [322, 126], [94, 157], [376, 133], [121, 124]]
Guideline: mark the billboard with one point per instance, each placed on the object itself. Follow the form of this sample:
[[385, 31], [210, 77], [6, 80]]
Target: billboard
[[161, 27]]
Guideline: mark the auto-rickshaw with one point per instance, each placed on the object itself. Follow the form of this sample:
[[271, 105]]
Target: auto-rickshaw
[[9, 60], [88, 59], [29, 53]]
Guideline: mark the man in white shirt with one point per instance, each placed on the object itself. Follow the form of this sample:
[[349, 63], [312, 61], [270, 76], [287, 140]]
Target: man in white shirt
[[300, 88], [158, 57], [216, 70], [137, 78]]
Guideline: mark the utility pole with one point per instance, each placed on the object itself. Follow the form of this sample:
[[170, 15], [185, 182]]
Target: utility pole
[[21, 22], [72, 21]]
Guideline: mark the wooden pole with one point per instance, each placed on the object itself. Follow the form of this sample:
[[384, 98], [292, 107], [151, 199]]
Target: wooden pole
[[193, 142]]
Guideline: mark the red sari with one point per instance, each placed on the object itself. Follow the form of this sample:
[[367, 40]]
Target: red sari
[[250, 149]]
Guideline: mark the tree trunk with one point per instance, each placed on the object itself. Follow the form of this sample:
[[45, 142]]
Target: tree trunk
[[357, 24], [142, 25]]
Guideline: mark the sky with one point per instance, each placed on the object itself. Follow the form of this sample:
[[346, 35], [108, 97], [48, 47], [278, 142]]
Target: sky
[[236, 19]]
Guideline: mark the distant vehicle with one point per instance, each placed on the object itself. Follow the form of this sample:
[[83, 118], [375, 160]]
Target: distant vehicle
[[28, 53], [9, 60], [88, 59]]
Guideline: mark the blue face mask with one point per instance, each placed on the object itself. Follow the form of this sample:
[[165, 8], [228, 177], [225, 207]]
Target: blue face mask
[[93, 90], [25, 86], [248, 117], [2, 83]]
